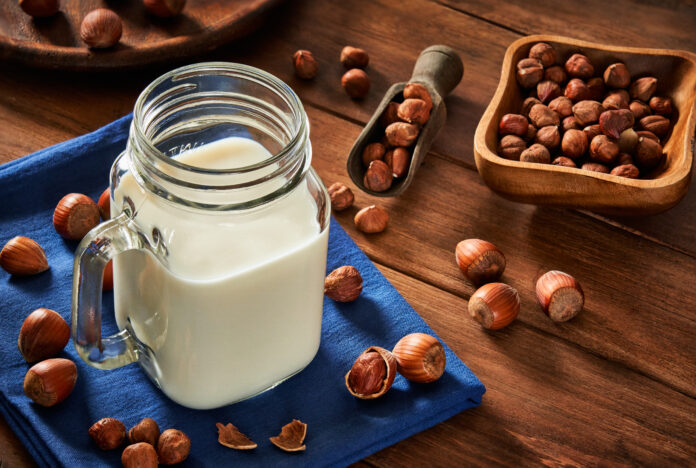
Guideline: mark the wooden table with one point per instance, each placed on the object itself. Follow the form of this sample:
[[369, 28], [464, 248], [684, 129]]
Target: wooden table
[[614, 386]]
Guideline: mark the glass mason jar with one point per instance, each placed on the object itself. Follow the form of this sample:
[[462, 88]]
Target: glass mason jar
[[221, 230]]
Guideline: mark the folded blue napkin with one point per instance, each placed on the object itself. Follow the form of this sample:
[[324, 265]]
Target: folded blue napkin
[[341, 428]]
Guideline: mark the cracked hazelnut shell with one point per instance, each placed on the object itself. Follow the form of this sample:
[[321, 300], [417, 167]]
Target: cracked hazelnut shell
[[494, 305], [43, 334], [559, 295], [372, 373], [230, 436], [291, 437], [613, 122], [344, 284], [420, 357], [479, 260]]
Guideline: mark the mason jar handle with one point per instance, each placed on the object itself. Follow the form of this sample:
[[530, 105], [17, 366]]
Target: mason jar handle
[[99, 246]]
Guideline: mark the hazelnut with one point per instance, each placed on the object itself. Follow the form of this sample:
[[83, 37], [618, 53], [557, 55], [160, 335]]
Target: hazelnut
[[306, 66], [613, 122], [647, 134], [555, 73], [101, 28], [398, 160], [544, 53], [660, 105], [617, 99], [173, 447], [643, 88], [108, 433], [75, 215], [415, 111], [639, 109], [514, 124], [559, 295], [44, 334], [418, 91], [291, 437], [562, 106], [536, 154], [617, 76], [230, 436], [579, 66], [390, 114], [531, 134], [23, 256], [372, 374], [344, 284], [420, 357], [104, 204], [401, 134], [563, 161], [548, 90], [378, 177], [341, 196], [591, 131], [549, 136], [494, 305], [577, 90], [146, 431], [542, 116], [356, 83], [628, 140], [656, 124], [511, 147], [595, 167], [648, 153], [596, 88], [371, 219], [50, 381], [39, 8], [164, 8], [108, 277], [603, 149], [587, 112], [529, 72], [626, 170], [140, 455], [479, 260], [569, 123], [624, 158], [354, 57], [372, 152], [528, 104], [574, 143]]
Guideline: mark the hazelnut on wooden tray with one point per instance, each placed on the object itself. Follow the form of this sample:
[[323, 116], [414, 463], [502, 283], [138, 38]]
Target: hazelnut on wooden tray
[[562, 106], [43, 334], [660, 105], [587, 112], [101, 28], [596, 88], [39, 8], [616, 75], [536, 154], [306, 66], [164, 8], [564, 161], [656, 124], [648, 153], [579, 66], [569, 123], [549, 136], [574, 144], [577, 90], [547, 91], [514, 124], [511, 147], [544, 53], [617, 99], [595, 167], [23, 256], [372, 373], [643, 88], [639, 109], [529, 72], [528, 104], [603, 149], [555, 73], [626, 170], [420, 357]]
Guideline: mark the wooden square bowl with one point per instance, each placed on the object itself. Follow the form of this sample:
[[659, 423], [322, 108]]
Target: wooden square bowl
[[546, 184]]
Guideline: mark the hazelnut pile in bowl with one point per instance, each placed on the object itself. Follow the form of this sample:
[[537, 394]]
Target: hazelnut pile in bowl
[[579, 115]]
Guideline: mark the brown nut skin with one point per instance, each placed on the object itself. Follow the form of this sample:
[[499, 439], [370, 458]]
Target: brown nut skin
[[344, 284], [648, 154], [613, 122], [628, 140], [371, 219], [648, 134], [398, 160], [587, 112], [420, 357], [548, 90], [544, 53], [574, 144], [596, 87], [639, 109], [372, 152], [494, 305], [372, 374], [390, 114], [104, 204], [603, 149], [513, 124], [479, 260], [511, 147], [341, 196], [529, 72], [549, 136], [44, 334], [656, 124], [617, 99], [415, 111], [108, 278], [75, 215], [378, 176], [591, 131], [164, 8], [595, 167], [563, 161], [542, 116], [569, 123], [579, 66], [624, 158], [50, 381], [577, 90], [643, 88], [559, 295], [617, 76], [562, 106], [531, 134], [101, 28], [173, 447], [39, 8], [626, 170], [140, 455], [555, 73], [401, 134], [146, 431], [528, 104], [108, 433], [418, 91], [356, 83], [660, 105], [23, 256], [354, 57], [536, 154], [306, 66]]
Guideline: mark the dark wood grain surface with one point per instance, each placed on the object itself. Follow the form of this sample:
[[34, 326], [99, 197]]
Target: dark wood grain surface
[[615, 386]]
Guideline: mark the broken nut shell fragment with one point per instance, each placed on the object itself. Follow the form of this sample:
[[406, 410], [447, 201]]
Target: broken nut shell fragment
[[291, 437], [230, 436], [372, 374]]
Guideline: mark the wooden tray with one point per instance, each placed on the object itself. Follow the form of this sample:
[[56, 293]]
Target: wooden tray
[[55, 42]]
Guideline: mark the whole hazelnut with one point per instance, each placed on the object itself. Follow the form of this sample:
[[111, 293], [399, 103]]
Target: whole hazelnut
[[528, 104], [356, 83], [50, 381], [75, 215], [101, 28], [595, 167], [531, 132], [108, 278], [549, 136], [372, 373], [401, 134], [372, 152], [626, 170], [146, 431], [628, 140], [371, 219], [603, 149], [562, 106], [378, 176], [108, 433], [577, 90], [613, 122], [39, 8], [354, 57], [548, 90], [536, 154], [514, 124], [104, 204], [390, 114], [656, 124], [569, 123], [624, 158], [555, 73], [44, 334], [341, 196], [417, 91], [23, 256], [511, 147], [559, 295], [306, 66], [579, 66], [415, 111], [544, 53], [639, 109], [542, 116], [164, 8], [529, 72], [617, 99], [398, 160], [420, 357], [596, 88], [591, 131], [173, 447], [648, 154], [344, 284], [479, 260], [648, 134], [563, 161], [574, 143], [643, 88], [140, 455], [617, 76], [587, 112], [660, 105], [494, 305]]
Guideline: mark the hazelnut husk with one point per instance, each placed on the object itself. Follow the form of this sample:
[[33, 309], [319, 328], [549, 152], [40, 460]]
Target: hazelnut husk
[[511, 147], [101, 28], [398, 160], [559, 295], [529, 72], [344, 284], [44, 334], [390, 114], [548, 90], [356, 83], [549, 136], [613, 122], [528, 104], [643, 88], [23, 256], [230, 436], [562, 106], [341, 196], [146, 431], [479, 260], [626, 170], [372, 152], [306, 66], [140, 455], [415, 111], [164, 8], [108, 433], [420, 357], [596, 88], [371, 219], [39, 8], [515, 124], [591, 131], [544, 53], [291, 437], [587, 112], [617, 99], [577, 90], [660, 105], [542, 116], [648, 153], [173, 447], [569, 123], [372, 374], [595, 167], [656, 124], [494, 305], [401, 134], [555, 73], [50, 381], [536, 154], [617, 76], [354, 57], [579, 66], [417, 91], [574, 144], [639, 109], [564, 161], [603, 149], [378, 177], [75, 215]]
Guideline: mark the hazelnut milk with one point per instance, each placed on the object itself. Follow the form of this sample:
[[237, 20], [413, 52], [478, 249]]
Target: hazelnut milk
[[238, 308]]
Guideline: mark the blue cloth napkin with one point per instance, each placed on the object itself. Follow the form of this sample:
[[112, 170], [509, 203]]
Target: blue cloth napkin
[[341, 428]]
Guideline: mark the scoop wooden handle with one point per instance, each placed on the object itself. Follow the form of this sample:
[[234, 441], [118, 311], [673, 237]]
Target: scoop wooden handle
[[440, 67]]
